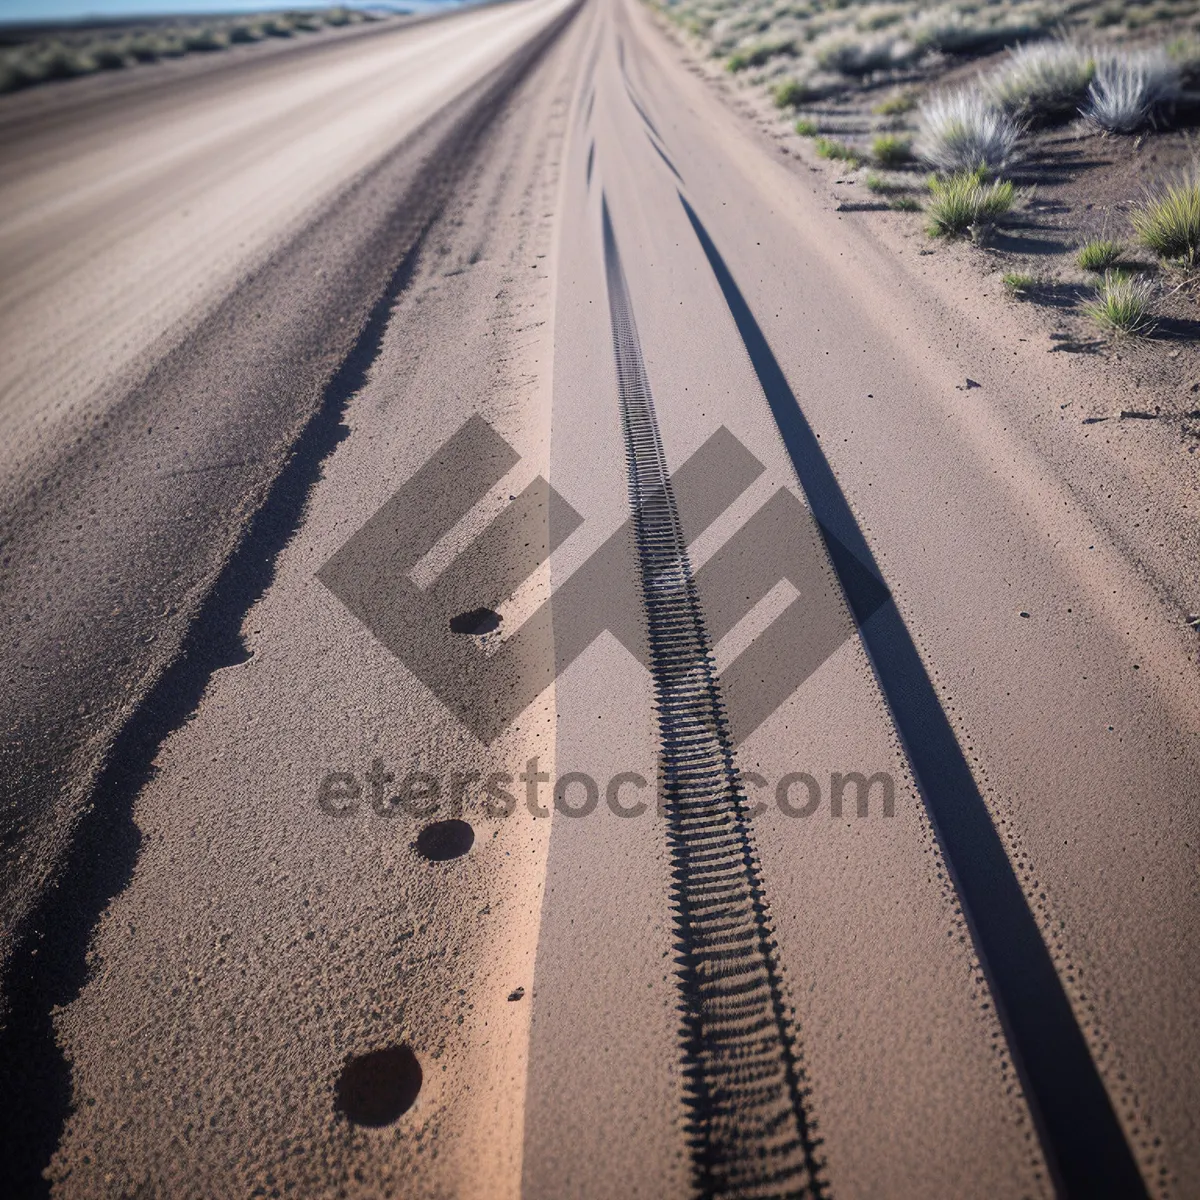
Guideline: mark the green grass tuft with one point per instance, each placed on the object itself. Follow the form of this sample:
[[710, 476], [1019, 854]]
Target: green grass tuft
[[963, 201], [756, 56], [1019, 282], [1122, 304], [891, 151], [884, 187], [906, 204], [806, 128], [1169, 223], [896, 105], [1099, 255], [839, 151], [791, 94]]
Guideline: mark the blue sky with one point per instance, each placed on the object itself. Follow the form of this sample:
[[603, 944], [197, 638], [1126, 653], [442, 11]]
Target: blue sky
[[55, 10]]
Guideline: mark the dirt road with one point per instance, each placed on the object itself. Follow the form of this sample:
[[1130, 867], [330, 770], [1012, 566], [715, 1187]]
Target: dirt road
[[542, 662]]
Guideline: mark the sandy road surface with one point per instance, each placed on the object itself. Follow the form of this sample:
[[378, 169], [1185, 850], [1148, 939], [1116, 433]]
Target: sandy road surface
[[184, 272], [915, 911]]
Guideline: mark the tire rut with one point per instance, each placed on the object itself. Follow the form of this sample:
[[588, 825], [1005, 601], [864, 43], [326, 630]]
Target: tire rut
[[745, 1085]]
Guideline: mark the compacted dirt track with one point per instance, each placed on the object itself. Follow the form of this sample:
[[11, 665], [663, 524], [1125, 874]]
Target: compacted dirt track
[[531, 672]]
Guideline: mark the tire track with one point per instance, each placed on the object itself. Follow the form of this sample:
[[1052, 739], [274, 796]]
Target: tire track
[[745, 1085]]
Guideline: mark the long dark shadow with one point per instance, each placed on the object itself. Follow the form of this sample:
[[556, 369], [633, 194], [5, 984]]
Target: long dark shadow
[[1081, 1136], [641, 112], [659, 151], [49, 966]]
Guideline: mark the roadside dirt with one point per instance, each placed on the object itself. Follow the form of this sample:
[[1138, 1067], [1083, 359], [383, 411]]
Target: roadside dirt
[[1119, 417]]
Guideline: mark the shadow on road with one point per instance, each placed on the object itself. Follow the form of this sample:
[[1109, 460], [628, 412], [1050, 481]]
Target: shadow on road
[[1082, 1138]]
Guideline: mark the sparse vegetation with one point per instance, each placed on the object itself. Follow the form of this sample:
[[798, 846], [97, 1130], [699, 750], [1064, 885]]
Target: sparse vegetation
[[839, 151], [961, 131], [273, 27], [1122, 304], [1099, 255], [791, 93], [203, 40], [1133, 90], [757, 55], [1138, 16], [85, 51], [861, 56], [1168, 222], [896, 105], [880, 186], [875, 69], [963, 202], [1018, 283], [974, 30], [1043, 82], [852, 39], [890, 150], [1184, 52], [880, 18]]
